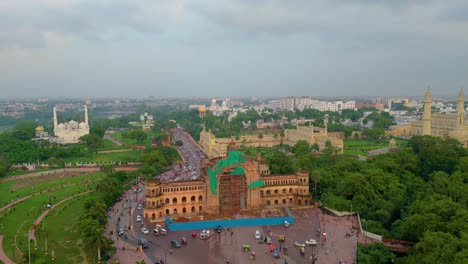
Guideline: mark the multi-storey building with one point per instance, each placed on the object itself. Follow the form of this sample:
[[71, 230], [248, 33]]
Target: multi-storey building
[[217, 147], [228, 186], [433, 124]]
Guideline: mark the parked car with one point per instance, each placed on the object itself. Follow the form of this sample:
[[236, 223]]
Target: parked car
[[143, 242], [158, 227], [175, 243], [139, 207], [286, 224], [156, 232], [144, 230], [163, 231], [138, 218], [121, 231], [257, 234], [311, 242], [299, 244]]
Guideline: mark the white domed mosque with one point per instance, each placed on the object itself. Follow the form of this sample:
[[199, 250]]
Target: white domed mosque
[[70, 132]]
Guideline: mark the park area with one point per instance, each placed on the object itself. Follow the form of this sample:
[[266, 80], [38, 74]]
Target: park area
[[360, 147], [51, 204]]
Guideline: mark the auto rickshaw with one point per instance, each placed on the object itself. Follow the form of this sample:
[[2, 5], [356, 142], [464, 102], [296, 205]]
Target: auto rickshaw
[[302, 251], [183, 240], [281, 238], [245, 248]]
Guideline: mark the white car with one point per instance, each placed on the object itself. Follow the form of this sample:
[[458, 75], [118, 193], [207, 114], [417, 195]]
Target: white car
[[138, 218], [139, 207], [144, 230], [257, 234], [311, 242], [299, 244]]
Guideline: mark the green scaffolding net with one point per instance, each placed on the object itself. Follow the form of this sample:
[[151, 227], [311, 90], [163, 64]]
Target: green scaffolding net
[[256, 184], [234, 157]]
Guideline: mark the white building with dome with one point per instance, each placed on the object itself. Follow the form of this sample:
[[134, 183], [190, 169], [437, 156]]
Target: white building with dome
[[70, 132]]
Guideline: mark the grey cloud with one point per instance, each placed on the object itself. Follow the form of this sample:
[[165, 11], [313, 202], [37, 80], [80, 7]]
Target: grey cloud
[[24, 23]]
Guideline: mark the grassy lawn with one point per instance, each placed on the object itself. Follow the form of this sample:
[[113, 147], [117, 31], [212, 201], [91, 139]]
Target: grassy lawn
[[25, 187], [361, 146], [16, 223], [129, 142], [63, 233]]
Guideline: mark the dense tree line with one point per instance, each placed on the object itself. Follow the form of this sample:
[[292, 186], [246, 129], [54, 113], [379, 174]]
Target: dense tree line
[[92, 224], [419, 194]]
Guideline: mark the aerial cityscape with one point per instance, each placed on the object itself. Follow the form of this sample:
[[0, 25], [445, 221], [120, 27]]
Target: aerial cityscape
[[233, 132]]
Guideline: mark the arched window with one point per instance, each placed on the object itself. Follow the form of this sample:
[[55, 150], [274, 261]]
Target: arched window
[[152, 191], [192, 199], [174, 200], [290, 190], [160, 214], [200, 198], [276, 201], [290, 200], [284, 191], [193, 209], [268, 202], [167, 211], [276, 191], [268, 192], [153, 204], [175, 210], [200, 208], [299, 202], [167, 200], [261, 193], [153, 216], [184, 200], [184, 210], [284, 201]]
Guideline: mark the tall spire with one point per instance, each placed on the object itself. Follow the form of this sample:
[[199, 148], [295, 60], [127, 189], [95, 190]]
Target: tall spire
[[461, 108], [86, 114], [55, 117], [427, 116]]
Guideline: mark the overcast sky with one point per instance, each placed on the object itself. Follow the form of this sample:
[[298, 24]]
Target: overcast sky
[[208, 48]]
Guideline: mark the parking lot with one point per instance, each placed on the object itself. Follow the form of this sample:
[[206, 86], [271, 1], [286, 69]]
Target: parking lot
[[226, 245]]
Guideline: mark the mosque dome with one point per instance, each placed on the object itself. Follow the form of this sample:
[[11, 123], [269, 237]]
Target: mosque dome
[[39, 129]]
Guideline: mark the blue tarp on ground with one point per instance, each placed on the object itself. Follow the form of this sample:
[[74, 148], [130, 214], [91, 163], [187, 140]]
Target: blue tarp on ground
[[211, 224]]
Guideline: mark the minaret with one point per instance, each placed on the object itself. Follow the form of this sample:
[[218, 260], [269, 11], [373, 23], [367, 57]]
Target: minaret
[[55, 118], [427, 113], [86, 114], [461, 109]]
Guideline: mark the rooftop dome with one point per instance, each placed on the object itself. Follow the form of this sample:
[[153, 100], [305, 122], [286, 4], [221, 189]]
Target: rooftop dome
[[39, 129]]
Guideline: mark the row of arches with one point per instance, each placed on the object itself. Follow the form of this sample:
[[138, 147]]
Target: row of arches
[[284, 201], [276, 191], [174, 212], [181, 189], [184, 199], [286, 182]]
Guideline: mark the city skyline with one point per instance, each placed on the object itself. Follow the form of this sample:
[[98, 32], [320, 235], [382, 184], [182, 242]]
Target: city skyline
[[97, 49]]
